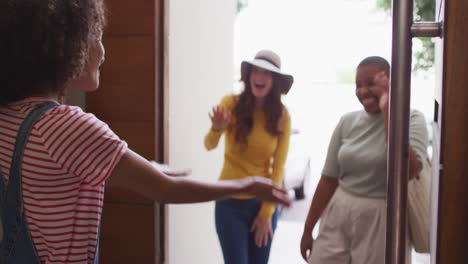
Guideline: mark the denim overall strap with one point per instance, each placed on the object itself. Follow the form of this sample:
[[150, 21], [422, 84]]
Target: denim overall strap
[[17, 245]]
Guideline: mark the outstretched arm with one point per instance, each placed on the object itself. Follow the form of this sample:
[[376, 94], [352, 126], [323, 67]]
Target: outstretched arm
[[137, 174], [165, 169]]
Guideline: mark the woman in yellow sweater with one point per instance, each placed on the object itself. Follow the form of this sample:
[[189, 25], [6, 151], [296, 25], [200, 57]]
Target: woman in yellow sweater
[[256, 127]]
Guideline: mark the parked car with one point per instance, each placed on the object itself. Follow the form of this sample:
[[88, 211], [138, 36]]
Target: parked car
[[297, 167]]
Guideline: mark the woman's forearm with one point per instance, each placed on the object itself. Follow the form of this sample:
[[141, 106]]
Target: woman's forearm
[[324, 192], [136, 174], [185, 190], [212, 138], [414, 165]]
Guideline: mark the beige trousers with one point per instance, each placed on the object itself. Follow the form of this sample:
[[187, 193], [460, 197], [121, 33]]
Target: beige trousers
[[352, 231]]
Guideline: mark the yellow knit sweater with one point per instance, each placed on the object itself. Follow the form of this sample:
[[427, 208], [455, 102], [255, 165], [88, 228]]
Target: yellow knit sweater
[[265, 154]]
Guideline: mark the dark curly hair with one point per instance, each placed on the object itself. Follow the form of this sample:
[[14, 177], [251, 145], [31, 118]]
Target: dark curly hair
[[44, 44], [245, 106]]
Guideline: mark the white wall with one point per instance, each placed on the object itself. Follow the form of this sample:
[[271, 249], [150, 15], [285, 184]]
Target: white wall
[[200, 73]]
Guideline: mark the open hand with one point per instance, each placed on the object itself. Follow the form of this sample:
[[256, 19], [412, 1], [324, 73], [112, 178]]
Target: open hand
[[263, 231], [381, 89], [306, 245], [164, 168], [264, 190], [220, 118]]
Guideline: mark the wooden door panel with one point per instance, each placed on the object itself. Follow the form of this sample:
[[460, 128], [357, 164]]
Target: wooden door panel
[[138, 134], [452, 229], [127, 81], [129, 18], [130, 100], [127, 234]]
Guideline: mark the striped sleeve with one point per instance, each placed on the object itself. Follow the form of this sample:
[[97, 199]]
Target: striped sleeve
[[81, 143]]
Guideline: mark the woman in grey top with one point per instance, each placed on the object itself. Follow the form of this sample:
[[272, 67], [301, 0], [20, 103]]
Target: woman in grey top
[[350, 196]]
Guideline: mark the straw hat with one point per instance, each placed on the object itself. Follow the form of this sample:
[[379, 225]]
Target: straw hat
[[268, 60]]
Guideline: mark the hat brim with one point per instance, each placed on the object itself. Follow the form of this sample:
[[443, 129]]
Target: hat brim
[[285, 81]]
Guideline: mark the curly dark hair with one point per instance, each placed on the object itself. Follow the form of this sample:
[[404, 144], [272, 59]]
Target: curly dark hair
[[44, 44], [245, 106]]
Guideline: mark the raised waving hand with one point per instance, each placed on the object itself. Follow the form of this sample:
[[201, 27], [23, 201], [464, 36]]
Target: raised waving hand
[[220, 118]]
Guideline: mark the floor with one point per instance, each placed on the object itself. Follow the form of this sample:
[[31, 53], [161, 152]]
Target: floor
[[285, 248]]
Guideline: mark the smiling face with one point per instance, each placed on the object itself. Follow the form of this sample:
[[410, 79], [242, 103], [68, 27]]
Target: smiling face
[[364, 81], [261, 82]]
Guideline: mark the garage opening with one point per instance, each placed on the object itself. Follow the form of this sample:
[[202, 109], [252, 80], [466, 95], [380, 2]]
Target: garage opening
[[320, 44]]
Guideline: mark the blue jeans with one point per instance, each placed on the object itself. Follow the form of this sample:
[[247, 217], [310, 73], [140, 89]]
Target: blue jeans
[[234, 218]]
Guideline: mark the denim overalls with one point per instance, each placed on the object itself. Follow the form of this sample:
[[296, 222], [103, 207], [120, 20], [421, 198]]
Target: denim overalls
[[17, 246]]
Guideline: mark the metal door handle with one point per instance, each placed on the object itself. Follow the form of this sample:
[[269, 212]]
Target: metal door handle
[[404, 29], [426, 29]]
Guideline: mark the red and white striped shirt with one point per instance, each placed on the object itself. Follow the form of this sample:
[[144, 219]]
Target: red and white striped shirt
[[68, 157]]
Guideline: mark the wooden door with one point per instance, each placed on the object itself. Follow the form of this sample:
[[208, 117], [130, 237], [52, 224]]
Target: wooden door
[[130, 100], [450, 228]]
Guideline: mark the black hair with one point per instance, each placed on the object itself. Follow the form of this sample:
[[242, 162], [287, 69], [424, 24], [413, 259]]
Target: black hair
[[44, 44], [378, 61]]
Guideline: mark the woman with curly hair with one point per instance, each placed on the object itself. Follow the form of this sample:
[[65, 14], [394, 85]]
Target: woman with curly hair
[[54, 158], [257, 128]]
